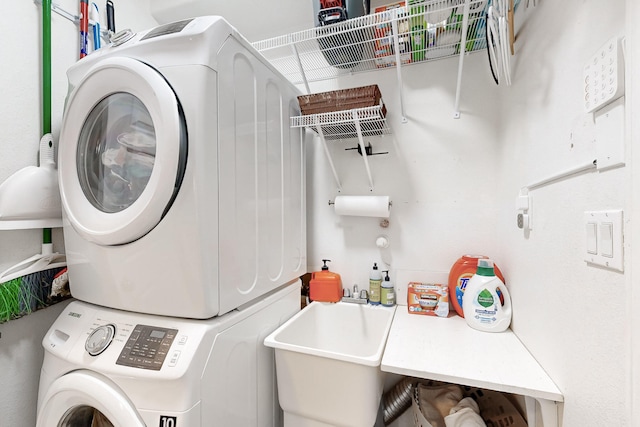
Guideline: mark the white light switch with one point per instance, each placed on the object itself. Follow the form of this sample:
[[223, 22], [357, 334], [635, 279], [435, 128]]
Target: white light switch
[[604, 239], [592, 238]]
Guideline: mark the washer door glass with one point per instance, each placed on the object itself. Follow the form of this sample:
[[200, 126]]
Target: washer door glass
[[116, 152], [84, 416], [122, 153]]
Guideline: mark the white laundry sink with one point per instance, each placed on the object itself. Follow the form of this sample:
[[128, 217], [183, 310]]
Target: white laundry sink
[[328, 364]]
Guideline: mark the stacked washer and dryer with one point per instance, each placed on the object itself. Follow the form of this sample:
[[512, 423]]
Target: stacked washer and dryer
[[184, 223]]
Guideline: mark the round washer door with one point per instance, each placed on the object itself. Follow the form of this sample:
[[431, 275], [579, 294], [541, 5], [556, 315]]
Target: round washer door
[[83, 398], [122, 151]]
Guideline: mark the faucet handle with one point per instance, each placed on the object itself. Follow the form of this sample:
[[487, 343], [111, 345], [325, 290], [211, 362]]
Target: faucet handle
[[364, 294], [346, 293]]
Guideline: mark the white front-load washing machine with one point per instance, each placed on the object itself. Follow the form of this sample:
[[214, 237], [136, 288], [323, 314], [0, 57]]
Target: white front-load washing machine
[[105, 367], [182, 181]]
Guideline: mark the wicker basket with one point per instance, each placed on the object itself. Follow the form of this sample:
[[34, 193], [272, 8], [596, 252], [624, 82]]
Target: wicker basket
[[339, 100], [495, 408]]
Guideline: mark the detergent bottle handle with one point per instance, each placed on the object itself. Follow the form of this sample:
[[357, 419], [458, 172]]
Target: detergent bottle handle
[[506, 306]]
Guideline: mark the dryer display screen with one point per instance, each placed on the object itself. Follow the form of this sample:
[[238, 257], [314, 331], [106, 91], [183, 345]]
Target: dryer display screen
[[147, 347]]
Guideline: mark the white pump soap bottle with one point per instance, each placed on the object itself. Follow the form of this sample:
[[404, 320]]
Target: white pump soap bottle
[[486, 302]]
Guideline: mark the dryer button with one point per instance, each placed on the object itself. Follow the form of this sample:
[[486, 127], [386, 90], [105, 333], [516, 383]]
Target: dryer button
[[173, 360]]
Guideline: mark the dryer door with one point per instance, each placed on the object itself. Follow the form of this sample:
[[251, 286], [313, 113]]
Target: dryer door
[[83, 398], [123, 149]]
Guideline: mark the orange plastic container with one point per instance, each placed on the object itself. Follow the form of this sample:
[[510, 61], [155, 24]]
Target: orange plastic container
[[460, 273], [325, 285]]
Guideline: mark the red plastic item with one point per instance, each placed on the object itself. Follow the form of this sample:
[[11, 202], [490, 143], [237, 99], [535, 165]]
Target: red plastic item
[[326, 4], [325, 285], [460, 273]]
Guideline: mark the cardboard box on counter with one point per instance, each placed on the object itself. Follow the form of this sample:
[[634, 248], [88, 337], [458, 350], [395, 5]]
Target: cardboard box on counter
[[429, 299]]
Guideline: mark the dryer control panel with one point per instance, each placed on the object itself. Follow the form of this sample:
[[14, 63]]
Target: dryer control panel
[[147, 347]]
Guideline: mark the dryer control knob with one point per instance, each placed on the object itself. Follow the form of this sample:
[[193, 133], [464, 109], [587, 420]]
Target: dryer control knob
[[99, 339]]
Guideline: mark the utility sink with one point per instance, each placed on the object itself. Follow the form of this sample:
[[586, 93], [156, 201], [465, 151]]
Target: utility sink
[[328, 364]]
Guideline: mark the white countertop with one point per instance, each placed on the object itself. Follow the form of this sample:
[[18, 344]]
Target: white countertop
[[447, 349]]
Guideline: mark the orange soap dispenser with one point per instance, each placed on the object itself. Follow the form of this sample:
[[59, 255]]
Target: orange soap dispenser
[[325, 285]]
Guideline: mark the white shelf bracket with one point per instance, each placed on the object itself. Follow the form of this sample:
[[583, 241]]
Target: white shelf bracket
[[326, 152], [396, 42], [62, 12], [296, 55], [356, 120], [463, 46]]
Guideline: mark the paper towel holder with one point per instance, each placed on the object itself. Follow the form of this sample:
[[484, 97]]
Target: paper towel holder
[[384, 221], [333, 203]]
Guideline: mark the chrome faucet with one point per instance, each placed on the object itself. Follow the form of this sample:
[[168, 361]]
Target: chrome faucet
[[361, 297]]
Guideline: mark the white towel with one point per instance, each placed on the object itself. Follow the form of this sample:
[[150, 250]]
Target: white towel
[[437, 402], [465, 414]]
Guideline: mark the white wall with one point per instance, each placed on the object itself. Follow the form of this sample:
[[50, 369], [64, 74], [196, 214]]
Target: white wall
[[254, 19], [633, 95], [573, 317], [20, 132], [21, 356]]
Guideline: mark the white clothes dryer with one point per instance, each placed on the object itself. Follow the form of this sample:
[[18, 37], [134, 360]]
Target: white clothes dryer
[[182, 182], [112, 368]]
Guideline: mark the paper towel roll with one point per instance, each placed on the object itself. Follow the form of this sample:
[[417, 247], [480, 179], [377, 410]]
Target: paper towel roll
[[376, 206]]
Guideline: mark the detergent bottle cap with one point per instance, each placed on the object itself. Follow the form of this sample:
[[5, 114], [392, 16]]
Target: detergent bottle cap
[[386, 277], [485, 267], [324, 266], [375, 266]]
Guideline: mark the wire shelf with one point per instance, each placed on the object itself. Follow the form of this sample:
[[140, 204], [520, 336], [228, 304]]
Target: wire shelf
[[427, 30], [357, 123], [340, 125]]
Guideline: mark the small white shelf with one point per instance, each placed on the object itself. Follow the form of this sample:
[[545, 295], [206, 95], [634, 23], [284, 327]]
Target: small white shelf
[[357, 123], [30, 223], [447, 349]]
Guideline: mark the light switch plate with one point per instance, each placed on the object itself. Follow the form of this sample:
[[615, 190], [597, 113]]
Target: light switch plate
[[609, 244]]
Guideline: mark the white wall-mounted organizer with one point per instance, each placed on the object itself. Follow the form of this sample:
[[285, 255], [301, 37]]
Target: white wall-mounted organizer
[[420, 32]]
